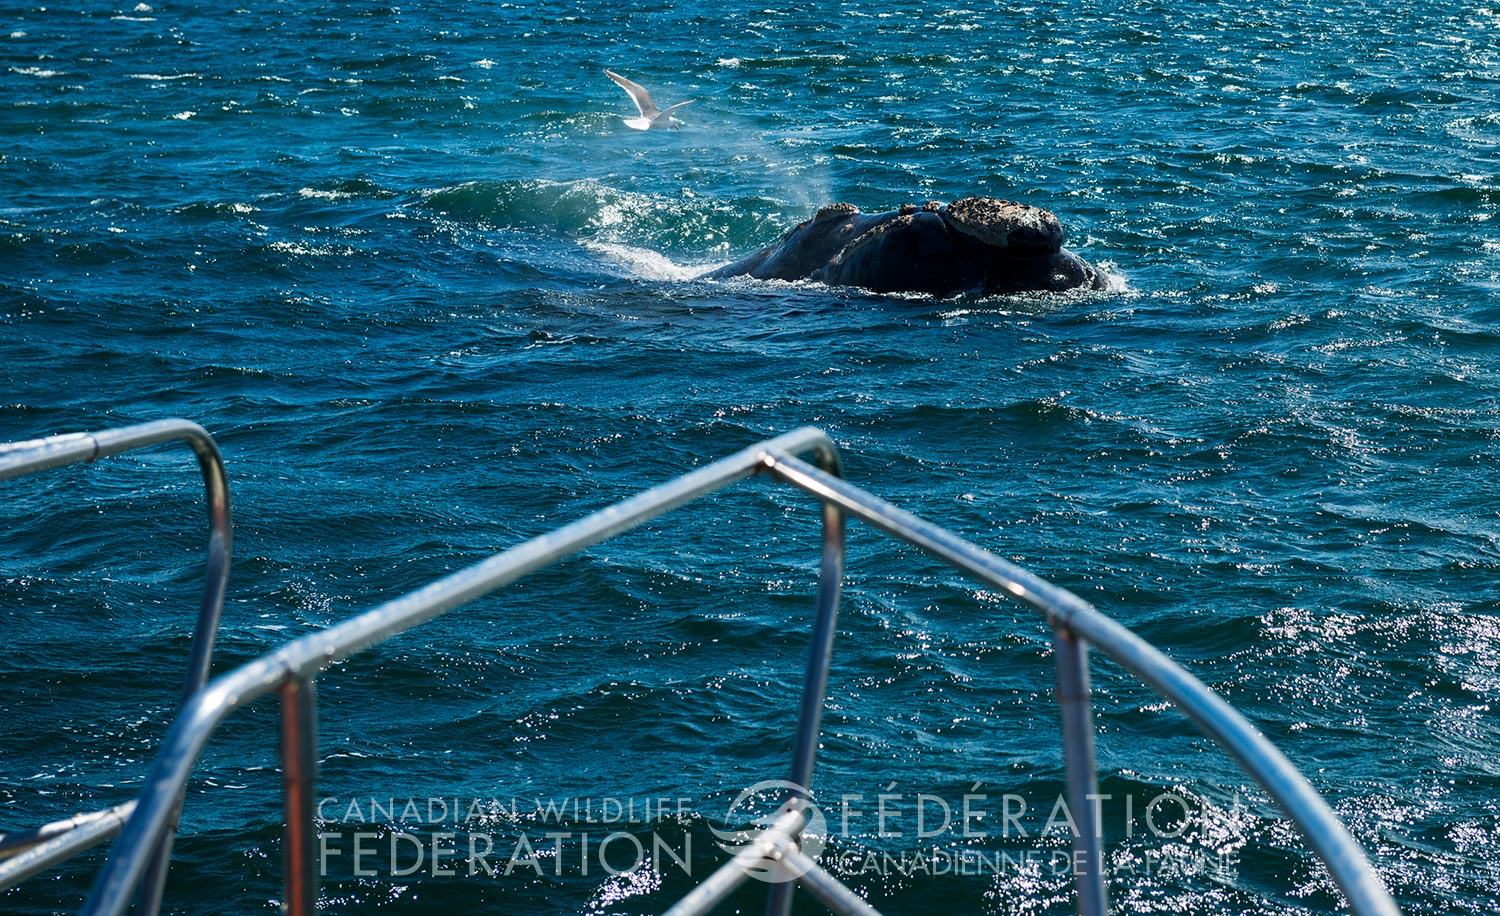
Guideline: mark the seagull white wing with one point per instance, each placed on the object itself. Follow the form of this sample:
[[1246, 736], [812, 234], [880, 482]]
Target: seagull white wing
[[638, 94]]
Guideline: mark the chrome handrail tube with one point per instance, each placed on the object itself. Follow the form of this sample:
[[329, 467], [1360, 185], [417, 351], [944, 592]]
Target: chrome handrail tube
[[33, 851], [815, 680], [835, 895], [299, 774], [1071, 657], [30, 457]]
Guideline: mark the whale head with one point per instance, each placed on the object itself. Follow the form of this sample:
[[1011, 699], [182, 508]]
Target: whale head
[[1016, 246]]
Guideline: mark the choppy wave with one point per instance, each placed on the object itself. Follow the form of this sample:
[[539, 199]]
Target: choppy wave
[[434, 298]]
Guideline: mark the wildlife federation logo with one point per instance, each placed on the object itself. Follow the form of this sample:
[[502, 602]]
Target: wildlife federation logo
[[756, 809]]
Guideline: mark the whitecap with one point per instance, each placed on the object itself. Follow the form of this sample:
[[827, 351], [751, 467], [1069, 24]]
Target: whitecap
[[312, 251], [643, 262]]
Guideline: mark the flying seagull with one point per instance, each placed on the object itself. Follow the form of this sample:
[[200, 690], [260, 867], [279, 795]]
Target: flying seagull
[[652, 118]]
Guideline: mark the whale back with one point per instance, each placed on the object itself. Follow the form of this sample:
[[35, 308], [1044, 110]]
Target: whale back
[[804, 249], [977, 245]]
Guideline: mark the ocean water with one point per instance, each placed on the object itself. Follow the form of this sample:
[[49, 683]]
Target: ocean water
[[432, 297]]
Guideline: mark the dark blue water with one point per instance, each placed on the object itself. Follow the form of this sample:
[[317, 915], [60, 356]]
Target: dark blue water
[[433, 297]]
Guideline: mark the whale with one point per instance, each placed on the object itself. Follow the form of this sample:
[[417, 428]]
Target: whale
[[976, 246]]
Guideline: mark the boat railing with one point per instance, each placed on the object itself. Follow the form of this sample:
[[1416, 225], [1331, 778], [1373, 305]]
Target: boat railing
[[24, 853], [291, 672]]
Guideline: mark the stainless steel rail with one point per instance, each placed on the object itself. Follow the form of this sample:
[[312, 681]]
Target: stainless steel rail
[[292, 670], [20, 458], [22, 856], [31, 851]]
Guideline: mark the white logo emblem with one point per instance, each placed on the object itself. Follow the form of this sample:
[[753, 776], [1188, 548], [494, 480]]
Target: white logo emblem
[[760, 806]]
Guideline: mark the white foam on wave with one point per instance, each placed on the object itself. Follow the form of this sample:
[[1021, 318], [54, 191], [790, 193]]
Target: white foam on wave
[[645, 263], [1114, 281], [327, 250]]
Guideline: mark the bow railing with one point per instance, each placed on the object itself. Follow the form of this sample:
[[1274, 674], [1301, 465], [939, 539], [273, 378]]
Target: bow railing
[[292, 670]]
